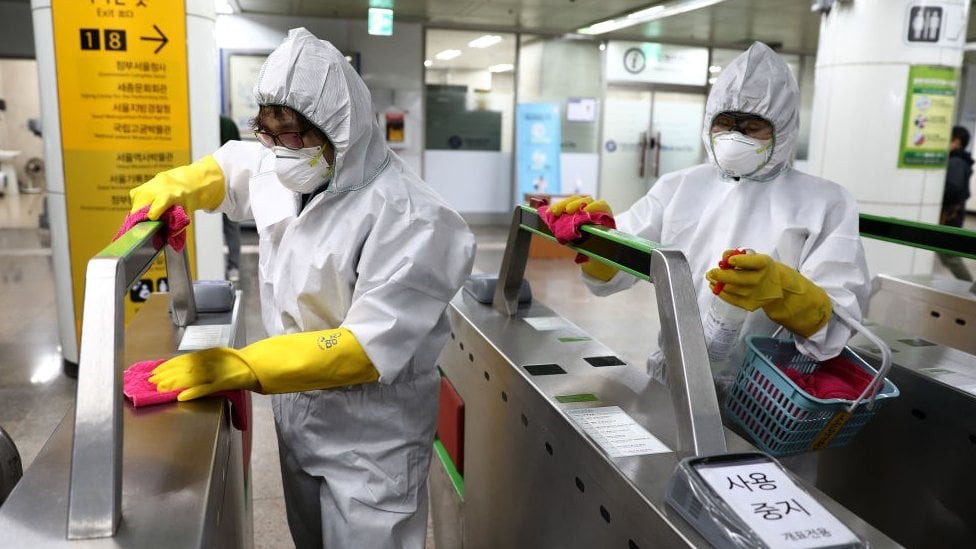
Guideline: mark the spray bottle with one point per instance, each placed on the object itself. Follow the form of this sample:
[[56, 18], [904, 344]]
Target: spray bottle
[[724, 321]]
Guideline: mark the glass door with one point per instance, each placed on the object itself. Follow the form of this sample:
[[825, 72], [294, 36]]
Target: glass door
[[647, 133], [677, 121], [625, 173]]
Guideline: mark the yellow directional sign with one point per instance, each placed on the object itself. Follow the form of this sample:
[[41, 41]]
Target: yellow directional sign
[[123, 101]]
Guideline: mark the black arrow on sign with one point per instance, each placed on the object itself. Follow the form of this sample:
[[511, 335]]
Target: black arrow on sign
[[162, 39]]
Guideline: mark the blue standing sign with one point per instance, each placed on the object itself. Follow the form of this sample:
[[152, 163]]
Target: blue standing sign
[[539, 146]]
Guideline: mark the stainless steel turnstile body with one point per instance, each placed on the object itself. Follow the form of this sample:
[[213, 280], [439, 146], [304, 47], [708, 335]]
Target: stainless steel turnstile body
[[170, 475], [939, 309], [532, 478]]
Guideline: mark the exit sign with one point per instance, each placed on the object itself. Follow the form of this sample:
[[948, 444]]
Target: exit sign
[[380, 21]]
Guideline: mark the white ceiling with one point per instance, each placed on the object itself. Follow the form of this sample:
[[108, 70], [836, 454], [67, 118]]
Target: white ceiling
[[789, 26], [786, 25]]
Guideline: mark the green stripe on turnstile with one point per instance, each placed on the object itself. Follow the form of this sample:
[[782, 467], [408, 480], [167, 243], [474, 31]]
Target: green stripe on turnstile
[[582, 397], [622, 251], [130, 241], [456, 479], [937, 238]]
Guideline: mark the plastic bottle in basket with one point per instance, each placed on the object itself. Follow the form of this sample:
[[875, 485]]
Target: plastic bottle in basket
[[724, 321]]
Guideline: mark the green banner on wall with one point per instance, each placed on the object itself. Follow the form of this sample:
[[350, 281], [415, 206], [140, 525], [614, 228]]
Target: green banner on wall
[[927, 127]]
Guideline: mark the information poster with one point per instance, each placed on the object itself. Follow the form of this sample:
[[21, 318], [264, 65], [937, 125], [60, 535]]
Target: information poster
[[242, 71], [123, 101], [929, 107], [539, 146]]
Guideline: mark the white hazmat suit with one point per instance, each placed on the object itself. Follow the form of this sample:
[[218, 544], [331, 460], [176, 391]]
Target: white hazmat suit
[[805, 222], [377, 253]]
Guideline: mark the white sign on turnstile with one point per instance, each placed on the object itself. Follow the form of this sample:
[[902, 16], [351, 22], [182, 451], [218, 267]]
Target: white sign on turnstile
[[616, 432], [205, 336], [782, 514], [935, 23], [750, 500], [546, 323]]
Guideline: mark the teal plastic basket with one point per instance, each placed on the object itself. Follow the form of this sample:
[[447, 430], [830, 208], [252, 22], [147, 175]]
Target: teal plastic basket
[[780, 417]]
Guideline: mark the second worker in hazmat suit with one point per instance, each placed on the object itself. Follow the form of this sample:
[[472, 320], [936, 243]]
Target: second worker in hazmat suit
[[808, 262], [358, 259]]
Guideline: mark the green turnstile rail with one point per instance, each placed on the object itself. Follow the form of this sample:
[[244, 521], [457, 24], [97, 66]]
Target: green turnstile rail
[[623, 251], [631, 254], [937, 238]]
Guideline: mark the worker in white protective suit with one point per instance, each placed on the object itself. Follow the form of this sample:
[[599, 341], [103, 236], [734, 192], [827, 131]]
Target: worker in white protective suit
[[809, 259], [358, 259]]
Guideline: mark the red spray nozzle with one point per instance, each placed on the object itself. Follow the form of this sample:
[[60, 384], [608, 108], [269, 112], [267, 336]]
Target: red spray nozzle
[[724, 264]]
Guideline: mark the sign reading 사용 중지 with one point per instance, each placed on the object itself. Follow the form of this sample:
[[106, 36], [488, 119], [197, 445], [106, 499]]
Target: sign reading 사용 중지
[[775, 508]]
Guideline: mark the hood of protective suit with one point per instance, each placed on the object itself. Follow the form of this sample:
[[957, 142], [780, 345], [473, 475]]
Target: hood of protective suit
[[312, 77], [759, 82]]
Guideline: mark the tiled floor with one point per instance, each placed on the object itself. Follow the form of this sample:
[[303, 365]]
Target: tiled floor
[[35, 395]]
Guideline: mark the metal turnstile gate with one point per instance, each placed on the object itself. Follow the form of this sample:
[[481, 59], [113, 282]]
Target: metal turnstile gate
[[115, 476], [531, 477]]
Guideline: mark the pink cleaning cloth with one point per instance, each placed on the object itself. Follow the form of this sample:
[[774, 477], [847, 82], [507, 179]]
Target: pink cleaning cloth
[[566, 226], [834, 378], [137, 387], [175, 220]]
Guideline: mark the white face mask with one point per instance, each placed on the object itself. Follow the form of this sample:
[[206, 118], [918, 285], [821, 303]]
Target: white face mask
[[739, 155], [302, 170]]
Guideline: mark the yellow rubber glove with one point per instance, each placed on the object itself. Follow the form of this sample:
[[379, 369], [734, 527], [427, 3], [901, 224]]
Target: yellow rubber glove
[[197, 186], [787, 297], [282, 364], [593, 268]]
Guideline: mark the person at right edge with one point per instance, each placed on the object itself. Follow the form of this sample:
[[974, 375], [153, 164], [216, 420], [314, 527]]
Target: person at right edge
[[357, 261], [958, 172], [808, 256]]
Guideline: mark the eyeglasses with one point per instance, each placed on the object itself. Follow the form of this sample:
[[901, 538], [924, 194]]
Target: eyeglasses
[[747, 124], [288, 140]]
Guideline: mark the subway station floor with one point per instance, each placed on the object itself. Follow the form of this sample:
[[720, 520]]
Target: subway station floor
[[35, 394]]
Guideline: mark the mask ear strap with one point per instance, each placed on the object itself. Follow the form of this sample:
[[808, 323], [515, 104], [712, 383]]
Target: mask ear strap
[[318, 155]]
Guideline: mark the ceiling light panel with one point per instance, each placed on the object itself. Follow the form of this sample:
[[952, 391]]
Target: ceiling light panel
[[485, 41], [447, 55], [660, 11]]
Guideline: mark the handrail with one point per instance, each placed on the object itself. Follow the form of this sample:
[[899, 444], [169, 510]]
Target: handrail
[[937, 238], [95, 496], [699, 422]]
